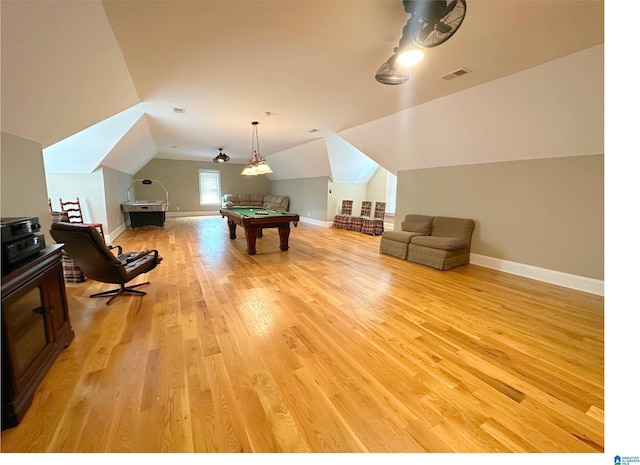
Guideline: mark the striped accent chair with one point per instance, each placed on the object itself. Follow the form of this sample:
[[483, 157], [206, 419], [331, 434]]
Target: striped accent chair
[[375, 226], [70, 269], [355, 222], [341, 221]]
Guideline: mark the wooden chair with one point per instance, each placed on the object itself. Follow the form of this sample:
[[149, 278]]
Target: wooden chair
[[74, 212]]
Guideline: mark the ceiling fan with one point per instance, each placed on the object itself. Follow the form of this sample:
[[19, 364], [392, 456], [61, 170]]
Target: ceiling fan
[[221, 157], [433, 22]]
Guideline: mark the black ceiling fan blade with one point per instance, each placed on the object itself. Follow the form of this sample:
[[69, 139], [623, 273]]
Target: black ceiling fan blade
[[436, 21]]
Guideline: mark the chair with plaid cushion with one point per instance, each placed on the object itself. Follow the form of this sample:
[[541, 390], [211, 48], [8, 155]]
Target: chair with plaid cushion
[[70, 269], [355, 222], [341, 220], [375, 226]]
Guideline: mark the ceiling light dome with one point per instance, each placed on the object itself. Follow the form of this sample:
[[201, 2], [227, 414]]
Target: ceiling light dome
[[221, 158], [391, 72]]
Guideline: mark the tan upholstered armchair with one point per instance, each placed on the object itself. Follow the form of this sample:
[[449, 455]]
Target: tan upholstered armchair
[[396, 243], [448, 246], [439, 242]]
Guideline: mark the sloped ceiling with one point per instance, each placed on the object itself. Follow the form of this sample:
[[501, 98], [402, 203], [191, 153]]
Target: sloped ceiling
[[86, 150], [348, 164], [303, 69], [62, 69]]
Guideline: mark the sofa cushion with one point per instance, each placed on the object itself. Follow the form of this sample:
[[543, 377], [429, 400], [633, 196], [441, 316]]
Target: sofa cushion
[[400, 236], [452, 227], [417, 223], [250, 199], [421, 227], [276, 202], [439, 242], [229, 200]]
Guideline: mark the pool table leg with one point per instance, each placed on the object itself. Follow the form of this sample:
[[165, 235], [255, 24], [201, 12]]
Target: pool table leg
[[251, 235], [284, 231], [232, 229]]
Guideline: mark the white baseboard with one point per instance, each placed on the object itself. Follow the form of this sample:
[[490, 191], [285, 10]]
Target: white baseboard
[[580, 283], [204, 213], [108, 238], [324, 224]]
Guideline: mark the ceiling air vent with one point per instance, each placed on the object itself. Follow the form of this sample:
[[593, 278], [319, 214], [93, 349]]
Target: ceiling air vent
[[454, 74], [179, 110]]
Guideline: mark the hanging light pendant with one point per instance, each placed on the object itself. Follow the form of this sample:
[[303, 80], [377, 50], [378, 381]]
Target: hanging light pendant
[[257, 165], [392, 72], [221, 158]]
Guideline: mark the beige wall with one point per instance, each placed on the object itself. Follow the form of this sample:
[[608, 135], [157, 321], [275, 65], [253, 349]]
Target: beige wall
[[116, 184], [23, 188], [89, 188], [307, 197], [345, 191], [101, 193], [180, 178], [546, 213]]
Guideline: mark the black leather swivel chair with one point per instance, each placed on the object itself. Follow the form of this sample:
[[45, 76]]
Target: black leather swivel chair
[[87, 248]]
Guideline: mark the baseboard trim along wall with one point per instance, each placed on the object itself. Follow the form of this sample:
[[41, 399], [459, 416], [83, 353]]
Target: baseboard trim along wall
[[108, 238], [324, 224], [201, 213], [580, 283]]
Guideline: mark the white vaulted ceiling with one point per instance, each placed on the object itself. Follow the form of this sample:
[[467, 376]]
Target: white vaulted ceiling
[[303, 69]]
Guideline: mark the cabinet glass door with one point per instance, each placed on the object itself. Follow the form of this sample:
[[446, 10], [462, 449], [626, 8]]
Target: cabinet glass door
[[26, 328]]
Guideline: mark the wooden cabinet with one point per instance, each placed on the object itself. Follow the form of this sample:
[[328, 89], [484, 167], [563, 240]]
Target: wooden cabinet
[[35, 328]]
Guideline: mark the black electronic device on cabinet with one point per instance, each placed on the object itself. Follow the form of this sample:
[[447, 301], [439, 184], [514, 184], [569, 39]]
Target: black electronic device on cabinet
[[20, 240]]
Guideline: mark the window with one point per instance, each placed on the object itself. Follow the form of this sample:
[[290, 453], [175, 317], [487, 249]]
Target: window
[[392, 181], [209, 187]]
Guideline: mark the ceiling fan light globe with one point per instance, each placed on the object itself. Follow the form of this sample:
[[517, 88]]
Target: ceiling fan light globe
[[410, 57], [392, 73]]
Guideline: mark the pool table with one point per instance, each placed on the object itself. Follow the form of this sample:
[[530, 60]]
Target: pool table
[[253, 220]]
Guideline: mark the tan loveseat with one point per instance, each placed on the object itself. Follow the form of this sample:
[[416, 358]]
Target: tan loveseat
[[439, 242], [272, 202]]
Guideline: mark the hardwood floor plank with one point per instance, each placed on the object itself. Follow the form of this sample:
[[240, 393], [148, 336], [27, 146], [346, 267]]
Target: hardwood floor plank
[[328, 347], [228, 433], [325, 429], [255, 419], [285, 428]]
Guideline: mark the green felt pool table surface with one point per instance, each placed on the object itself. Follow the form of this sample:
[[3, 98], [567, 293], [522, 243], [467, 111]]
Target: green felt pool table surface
[[259, 212]]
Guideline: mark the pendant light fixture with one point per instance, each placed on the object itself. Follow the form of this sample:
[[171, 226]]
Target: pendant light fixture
[[257, 165], [221, 158]]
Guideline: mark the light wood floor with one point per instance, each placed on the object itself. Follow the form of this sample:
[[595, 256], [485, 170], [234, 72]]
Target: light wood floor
[[330, 346]]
